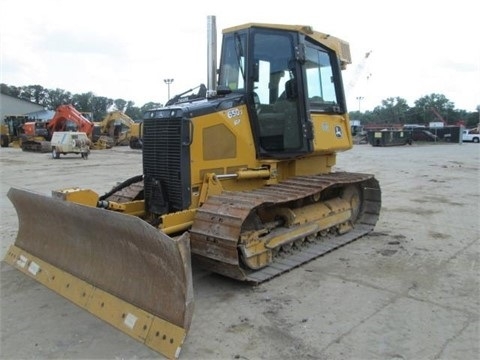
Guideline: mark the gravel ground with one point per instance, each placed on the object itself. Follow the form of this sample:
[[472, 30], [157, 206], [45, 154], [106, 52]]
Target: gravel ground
[[410, 290]]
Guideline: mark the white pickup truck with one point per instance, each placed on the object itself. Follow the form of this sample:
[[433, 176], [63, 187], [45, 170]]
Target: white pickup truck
[[471, 135]]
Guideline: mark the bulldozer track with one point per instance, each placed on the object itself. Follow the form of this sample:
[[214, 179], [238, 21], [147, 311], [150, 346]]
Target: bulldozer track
[[129, 193], [306, 254], [219, 221]]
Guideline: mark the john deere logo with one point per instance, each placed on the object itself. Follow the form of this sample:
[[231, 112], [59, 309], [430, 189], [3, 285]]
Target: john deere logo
[[338, 131]]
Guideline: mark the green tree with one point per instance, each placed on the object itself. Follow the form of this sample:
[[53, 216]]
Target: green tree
[[150, 106], [434, 107], [99, 107], [120, 104], [133, 111], [83, 102], [392, 110], [36, 94], [59, 97], [10, 90]]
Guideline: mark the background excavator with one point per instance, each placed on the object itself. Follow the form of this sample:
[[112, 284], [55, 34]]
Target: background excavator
[[67, 118], [136, 135], [239, 179], [35, 136], [114, 129]]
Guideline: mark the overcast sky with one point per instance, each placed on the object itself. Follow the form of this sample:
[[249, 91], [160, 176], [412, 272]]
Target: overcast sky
[[125, 49]]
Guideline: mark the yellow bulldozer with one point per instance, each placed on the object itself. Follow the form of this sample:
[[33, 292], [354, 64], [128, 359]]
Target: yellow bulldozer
[[240, 180]]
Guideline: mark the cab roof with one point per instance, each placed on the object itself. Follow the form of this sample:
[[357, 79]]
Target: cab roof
[[341, 47]]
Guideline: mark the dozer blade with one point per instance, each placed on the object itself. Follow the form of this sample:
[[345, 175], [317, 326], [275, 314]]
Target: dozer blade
[[116, 266]]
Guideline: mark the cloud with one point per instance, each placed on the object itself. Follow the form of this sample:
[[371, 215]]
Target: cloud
[[84, 44], [126, 51]]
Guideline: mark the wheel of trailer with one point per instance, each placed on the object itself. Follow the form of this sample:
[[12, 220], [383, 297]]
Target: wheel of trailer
[[84, 156], [353, 196], [55, 154]]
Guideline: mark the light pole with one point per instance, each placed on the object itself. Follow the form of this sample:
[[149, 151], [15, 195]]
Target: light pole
[[168, 82], [359, 98]]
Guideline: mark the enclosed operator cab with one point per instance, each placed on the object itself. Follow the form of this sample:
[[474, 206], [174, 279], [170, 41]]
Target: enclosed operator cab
[[290, 81]]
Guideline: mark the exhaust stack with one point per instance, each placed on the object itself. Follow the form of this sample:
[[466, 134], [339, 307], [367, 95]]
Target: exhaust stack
[[211, 55]]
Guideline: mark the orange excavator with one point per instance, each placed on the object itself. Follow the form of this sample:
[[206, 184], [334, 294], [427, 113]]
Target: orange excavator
[[35, 135], [67, 118]]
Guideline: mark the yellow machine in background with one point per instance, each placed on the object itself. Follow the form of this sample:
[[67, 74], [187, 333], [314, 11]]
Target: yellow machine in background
[[240, 179], [136, 135], [11, 129], [113, 130]]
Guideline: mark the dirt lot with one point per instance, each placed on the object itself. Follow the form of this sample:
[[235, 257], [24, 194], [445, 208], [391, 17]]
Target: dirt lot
[[410, 290]]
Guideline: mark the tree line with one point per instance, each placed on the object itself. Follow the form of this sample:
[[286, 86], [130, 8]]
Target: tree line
[[429, 108], [99, 106]]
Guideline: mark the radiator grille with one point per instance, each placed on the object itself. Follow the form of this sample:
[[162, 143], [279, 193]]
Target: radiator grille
[[166, 164]]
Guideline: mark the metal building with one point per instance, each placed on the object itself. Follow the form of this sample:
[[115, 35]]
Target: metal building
[[11, 105]]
